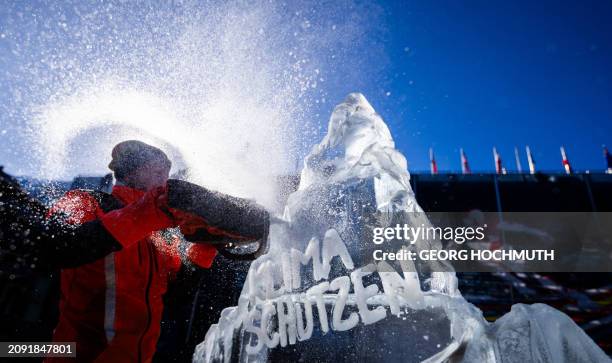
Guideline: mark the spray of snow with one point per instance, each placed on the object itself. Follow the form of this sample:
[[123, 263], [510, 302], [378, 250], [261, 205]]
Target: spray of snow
[[225, 88]]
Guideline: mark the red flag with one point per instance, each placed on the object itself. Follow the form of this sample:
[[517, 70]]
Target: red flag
[[465, 166], [432, 161], [565, 161], [499, 169]]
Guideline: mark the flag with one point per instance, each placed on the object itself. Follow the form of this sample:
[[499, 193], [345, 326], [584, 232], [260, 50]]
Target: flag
[[499, 168], [519, 168], [530, 160], [608, 157], [565, 161], [465, 167], [432, 162]]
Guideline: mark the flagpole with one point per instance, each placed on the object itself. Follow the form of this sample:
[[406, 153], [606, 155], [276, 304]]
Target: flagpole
[[608, 158], [518, 161], [499, 167], [465, 167], [432, 162], [495, 160], [565, 161], [530, 160]]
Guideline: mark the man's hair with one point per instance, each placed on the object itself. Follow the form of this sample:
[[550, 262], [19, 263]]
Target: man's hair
[[131, 154]]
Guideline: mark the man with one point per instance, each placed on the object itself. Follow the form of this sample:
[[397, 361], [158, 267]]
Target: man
[[31, 242], [112, 307]]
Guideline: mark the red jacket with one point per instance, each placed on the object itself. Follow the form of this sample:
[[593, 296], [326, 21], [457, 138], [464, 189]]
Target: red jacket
[[112, 308]]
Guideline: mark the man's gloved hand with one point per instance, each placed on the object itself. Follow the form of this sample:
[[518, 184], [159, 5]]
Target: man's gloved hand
[[137, 220], [202, 255]]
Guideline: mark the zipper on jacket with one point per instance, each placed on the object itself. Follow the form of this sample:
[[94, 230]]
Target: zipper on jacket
[[147, 302]]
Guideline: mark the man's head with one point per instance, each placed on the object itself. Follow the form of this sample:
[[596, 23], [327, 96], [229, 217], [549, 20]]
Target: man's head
[[139, 165]]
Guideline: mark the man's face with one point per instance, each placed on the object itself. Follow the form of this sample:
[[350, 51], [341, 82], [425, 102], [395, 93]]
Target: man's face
[[152, 174]]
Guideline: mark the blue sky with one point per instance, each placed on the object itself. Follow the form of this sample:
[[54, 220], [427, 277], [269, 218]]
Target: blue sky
[[443, 74], [478, 74]]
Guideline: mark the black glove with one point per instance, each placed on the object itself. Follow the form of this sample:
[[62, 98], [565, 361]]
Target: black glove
[[236, 225]]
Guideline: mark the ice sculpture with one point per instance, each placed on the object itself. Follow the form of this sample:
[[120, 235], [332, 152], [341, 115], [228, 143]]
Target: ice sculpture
[[317, 296]]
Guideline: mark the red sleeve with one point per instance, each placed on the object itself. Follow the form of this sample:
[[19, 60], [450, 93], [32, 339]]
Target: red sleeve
[[201, 255], [78, 206]]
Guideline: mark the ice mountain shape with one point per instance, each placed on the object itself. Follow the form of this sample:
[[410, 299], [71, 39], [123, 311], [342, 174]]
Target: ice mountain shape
[[317, 296]]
